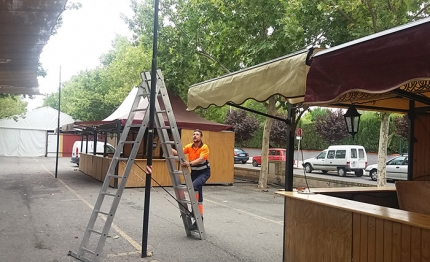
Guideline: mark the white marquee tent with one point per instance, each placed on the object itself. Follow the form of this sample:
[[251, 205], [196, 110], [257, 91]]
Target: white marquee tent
[[29, 136]]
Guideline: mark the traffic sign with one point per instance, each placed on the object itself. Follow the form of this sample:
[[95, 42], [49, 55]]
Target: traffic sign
[[299, 132]]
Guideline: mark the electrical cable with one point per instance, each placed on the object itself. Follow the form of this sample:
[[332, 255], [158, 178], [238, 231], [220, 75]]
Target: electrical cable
[[304, 173], [187, 213]]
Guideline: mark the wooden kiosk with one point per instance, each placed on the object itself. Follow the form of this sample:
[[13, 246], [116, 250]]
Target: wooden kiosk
[[217, 136], [221, 159], [381, 72]]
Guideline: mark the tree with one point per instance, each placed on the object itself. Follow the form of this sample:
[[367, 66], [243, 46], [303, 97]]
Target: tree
[[315, 112], [264, 171], [331, 127], [200, 40], [278, 134], [382, 152], [402, 126], [244, 124], [12, 106]]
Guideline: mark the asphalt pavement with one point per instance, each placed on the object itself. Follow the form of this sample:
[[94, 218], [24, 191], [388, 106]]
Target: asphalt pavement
[[43, 218]]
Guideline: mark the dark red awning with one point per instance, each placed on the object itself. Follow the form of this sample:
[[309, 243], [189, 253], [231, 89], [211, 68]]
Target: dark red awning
[[375, 64]]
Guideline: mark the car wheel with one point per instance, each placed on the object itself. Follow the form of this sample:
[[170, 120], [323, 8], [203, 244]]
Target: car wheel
[[254, 163], [324, 171], [243, 162], [359, 173], [308, 168], [374, 174], [341, 171]]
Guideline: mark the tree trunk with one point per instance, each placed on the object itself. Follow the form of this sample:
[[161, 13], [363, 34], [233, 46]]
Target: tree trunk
[[382, 152], [271, 110]]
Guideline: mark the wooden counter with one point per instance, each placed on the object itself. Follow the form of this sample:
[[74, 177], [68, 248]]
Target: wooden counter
[[326, 228], [97, 167]]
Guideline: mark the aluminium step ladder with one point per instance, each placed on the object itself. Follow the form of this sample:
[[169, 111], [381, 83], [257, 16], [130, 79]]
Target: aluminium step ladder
[[108, 200]]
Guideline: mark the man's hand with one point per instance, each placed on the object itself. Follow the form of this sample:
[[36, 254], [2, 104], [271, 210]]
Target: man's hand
[[185, 163]]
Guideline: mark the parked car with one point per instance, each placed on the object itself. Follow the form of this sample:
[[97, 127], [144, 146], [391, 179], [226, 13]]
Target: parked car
[[342, 158], [240, 155], [76, 150], [397, 169], [274, 154]]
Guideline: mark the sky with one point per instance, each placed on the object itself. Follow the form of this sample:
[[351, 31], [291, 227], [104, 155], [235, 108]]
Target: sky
[[85, 35]]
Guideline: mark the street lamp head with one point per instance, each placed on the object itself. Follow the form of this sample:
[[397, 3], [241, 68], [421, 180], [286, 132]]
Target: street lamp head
[[352, 120]]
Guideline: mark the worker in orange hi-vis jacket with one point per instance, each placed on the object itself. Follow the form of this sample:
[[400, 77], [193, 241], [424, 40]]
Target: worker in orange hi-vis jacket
[[198, 155]]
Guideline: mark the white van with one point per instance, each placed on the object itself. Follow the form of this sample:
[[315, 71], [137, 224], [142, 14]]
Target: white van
[[76, 150], [342, 158]]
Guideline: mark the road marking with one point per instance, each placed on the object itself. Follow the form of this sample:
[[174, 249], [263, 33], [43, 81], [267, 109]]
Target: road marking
[[245, 212], [136, 245]]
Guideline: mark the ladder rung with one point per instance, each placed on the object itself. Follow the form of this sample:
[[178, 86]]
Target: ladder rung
[[89, 251], [108, 194], [164, 127], [169, 143], [183, 187], [95, 231], [114, 176], [177, 172], [133, 126], [139, 109], [101, 212], [122, 159], [184, 201], [129, 142], [172, 157]]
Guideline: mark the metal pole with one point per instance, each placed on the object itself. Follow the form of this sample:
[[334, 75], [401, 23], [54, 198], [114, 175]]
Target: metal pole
[[298, 150], [150, 135], [289, 165], [58, 126]]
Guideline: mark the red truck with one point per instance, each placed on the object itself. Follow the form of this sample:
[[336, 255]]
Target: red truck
[[274, 154]]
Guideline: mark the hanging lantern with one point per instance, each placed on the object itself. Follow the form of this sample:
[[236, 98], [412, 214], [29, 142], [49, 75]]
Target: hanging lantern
[[352, 120]]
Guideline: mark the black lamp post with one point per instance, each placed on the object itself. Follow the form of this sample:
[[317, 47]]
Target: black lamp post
[[352, 120]]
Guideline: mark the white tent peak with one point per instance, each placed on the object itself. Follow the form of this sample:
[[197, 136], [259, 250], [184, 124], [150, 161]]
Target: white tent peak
[[43, 118], [123, 110]]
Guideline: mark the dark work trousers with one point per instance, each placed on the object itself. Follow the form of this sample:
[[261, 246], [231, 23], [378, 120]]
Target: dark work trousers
[[199, 178]]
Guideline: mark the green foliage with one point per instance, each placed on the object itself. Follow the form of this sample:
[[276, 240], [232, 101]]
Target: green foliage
[[216, 114], [330, 23], [331, 127], [278, 133], [402, 126], [200, 40], [244, 124], [12, 106], [315, 112], [255, 141], [311, 140]]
